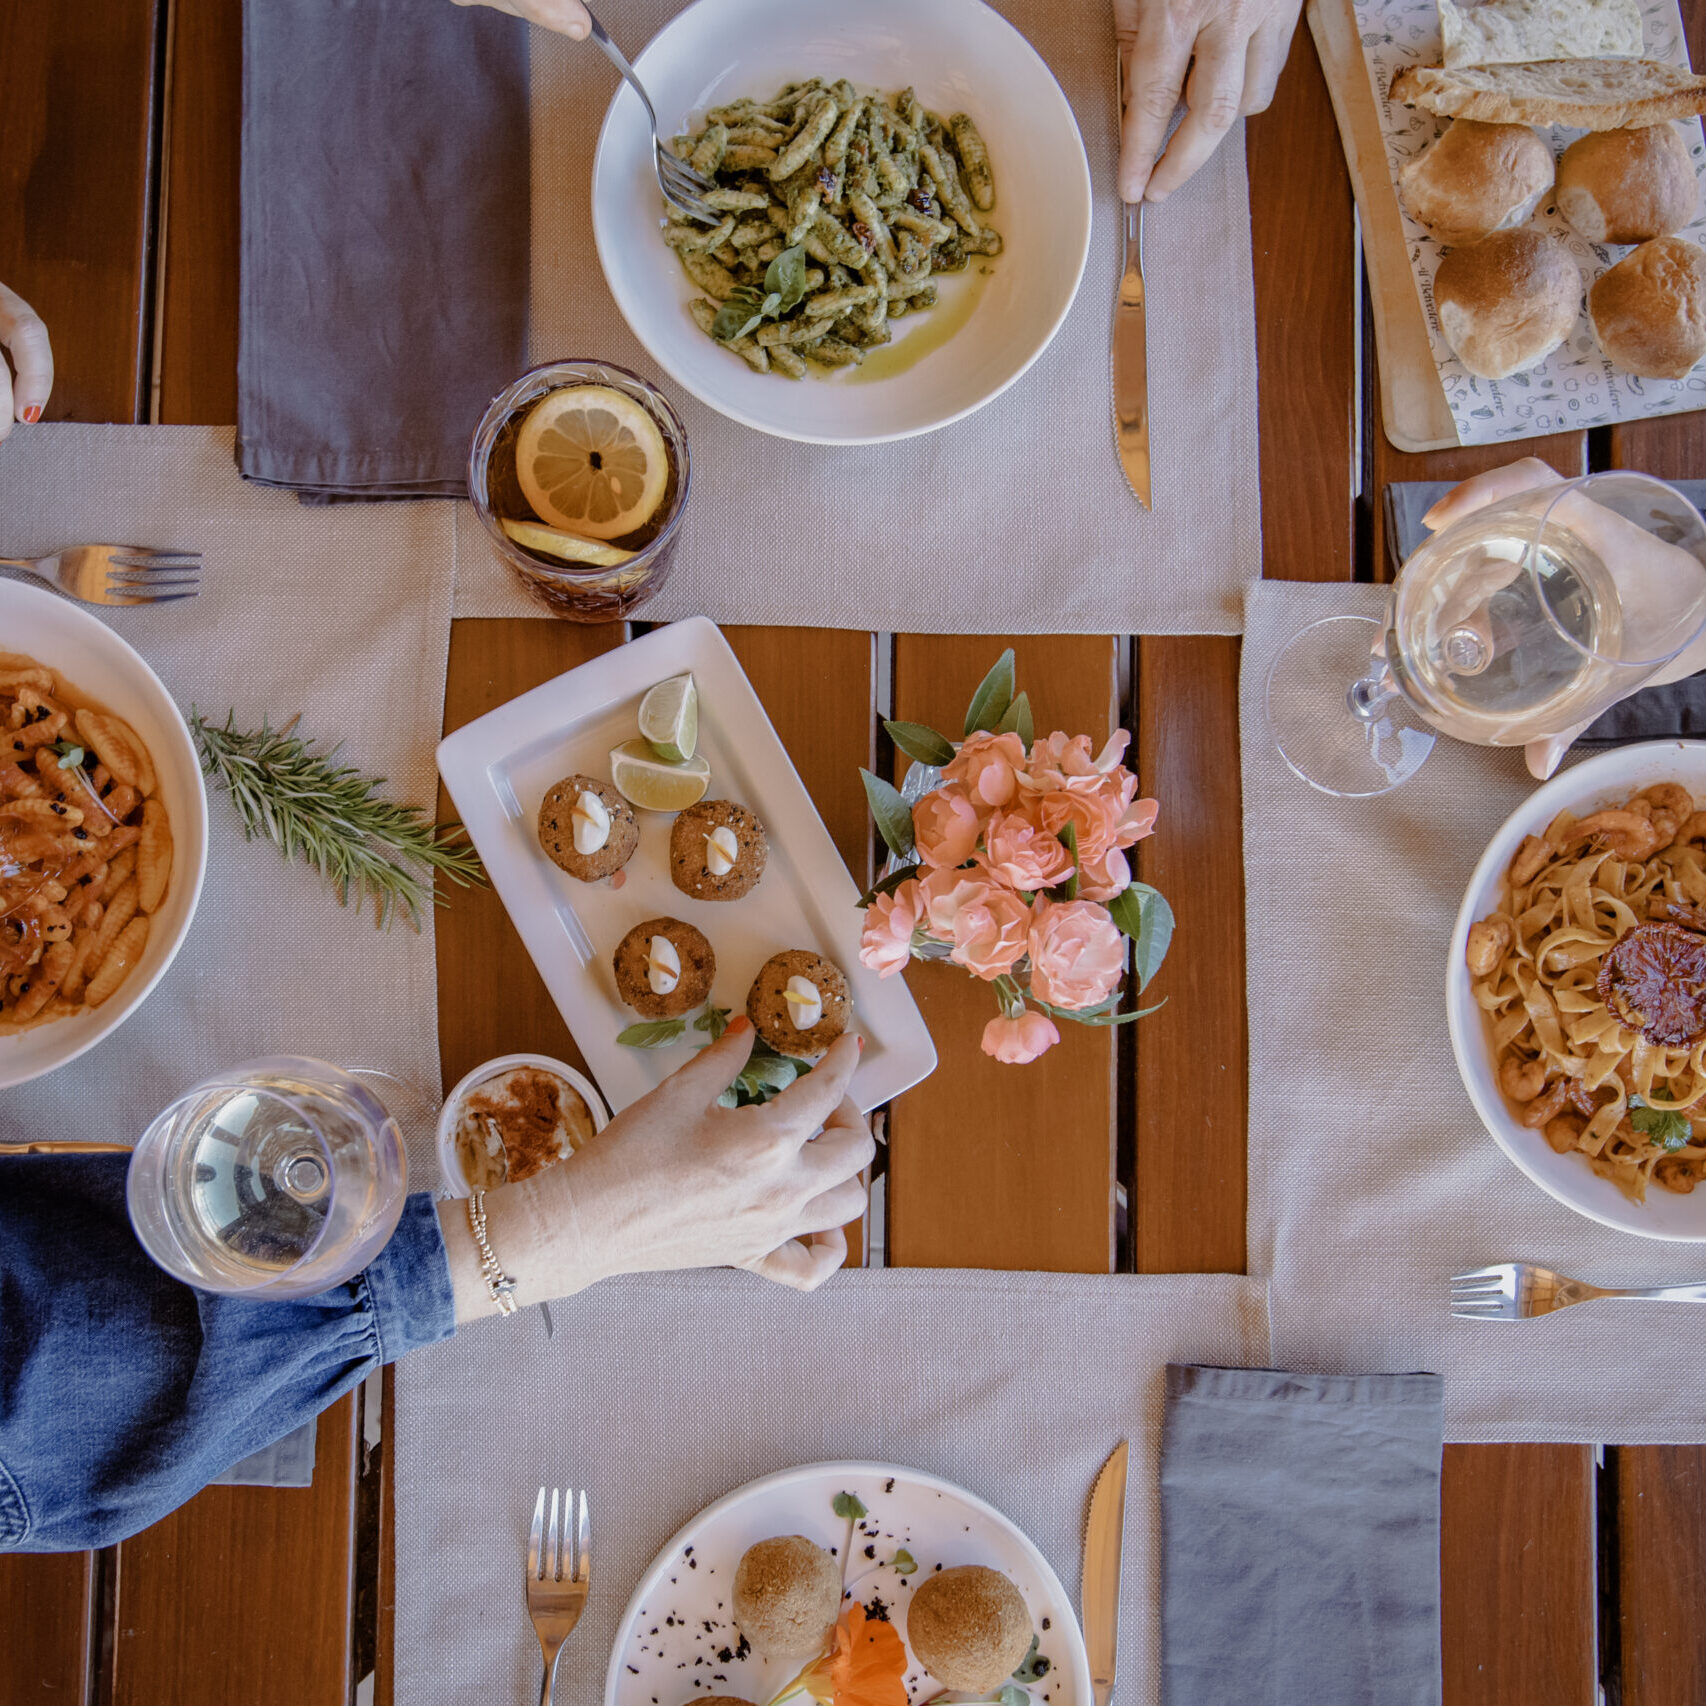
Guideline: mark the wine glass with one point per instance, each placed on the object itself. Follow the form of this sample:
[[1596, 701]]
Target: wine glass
[[278, 1178], [1526, 618]]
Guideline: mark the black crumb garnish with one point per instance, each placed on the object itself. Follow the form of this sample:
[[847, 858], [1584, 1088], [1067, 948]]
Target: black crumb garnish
[[654, 1631], [687, 1551], [693, 1563], [876, 1610], [725, 1655], [743, 1649], [888, 1485], [669, 1622], [870, 1551], [938, 1566], [1045, 1625], [1041, 1666], [633, 1670], [709, 1627]]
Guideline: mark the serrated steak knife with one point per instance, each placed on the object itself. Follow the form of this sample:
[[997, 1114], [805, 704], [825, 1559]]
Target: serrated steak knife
[[1104, 1535], [1131, 363]]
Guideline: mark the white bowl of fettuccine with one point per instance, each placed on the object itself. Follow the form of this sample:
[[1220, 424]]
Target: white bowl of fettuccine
[[1539, 1004]]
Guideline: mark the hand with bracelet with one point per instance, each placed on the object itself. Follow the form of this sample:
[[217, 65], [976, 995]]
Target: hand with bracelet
[[169, 1387], [675, 1181]]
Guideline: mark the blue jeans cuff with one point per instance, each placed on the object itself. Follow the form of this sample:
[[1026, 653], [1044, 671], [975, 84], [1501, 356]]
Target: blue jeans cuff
[[409, 1283]]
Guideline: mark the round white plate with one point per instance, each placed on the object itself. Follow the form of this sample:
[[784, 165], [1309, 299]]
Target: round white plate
[[1606, 780], [961, 57], [692, 1581], [98, 663]]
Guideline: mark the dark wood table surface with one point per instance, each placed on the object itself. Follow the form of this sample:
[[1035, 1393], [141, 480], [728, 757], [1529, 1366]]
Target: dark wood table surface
[[1563, 1569]]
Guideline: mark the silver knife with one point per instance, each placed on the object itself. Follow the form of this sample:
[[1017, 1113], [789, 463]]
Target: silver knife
[[1131, 363], [1104, 1536]]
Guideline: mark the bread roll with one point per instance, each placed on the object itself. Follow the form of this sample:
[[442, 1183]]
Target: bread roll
[[1477, 179], [1506, 303], [1589, 94], [1649, 311], [1501, 32], [1624, 186]]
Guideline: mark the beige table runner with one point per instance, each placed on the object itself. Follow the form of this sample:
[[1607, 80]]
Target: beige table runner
[[660, 1394], [1371, 1177], [342, 614], [1015, 520]]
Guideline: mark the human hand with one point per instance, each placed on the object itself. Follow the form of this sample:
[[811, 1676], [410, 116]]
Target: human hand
[[1532, 485], [22, 333], [1234, 50], [677, 1182], [567, 17]]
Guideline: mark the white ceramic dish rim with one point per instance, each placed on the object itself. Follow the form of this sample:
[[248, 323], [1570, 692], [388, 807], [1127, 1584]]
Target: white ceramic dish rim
[[466, 758], [624, 102], [1605, 778], [188, 838], [450, 1167], [804, 1474]]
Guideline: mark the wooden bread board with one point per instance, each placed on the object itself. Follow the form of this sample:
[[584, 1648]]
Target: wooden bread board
[[1413, 409]]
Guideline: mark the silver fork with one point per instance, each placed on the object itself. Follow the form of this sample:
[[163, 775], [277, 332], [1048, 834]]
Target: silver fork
[[559, 1572], [1517, 1291], [682, 187], [116, 574]]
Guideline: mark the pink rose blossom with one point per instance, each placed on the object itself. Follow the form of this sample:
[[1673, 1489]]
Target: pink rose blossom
[[1016, 1041], [885, 945], [1094, 816], [988, 765], [1023, 855], [1104, 878], [941, 895], [1077, 956], [945, 826], [989, 933], [1060, 762], [1135, 818]]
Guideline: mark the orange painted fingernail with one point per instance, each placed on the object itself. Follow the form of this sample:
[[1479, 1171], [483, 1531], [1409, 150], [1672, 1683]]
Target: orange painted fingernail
[[738, 1027], [861, 1042], [33, 413]]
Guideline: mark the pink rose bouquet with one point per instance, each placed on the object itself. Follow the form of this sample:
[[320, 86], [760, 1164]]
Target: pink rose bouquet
[[1014, 864]]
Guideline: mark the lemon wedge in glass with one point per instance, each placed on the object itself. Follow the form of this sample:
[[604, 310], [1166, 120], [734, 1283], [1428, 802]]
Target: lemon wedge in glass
[[554, 542], [652, 783], [669, 718], [592, 461]]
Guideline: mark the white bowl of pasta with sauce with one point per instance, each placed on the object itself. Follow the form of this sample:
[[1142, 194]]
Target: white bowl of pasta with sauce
[[1599, 783], [992, 321], [107, 674]]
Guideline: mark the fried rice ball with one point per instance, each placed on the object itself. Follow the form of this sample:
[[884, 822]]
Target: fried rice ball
[[787, 1596], [969, 1627]]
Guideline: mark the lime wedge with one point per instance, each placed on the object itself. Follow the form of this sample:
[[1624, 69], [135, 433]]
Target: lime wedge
[[554, 542], [669, 718], [647, 781]]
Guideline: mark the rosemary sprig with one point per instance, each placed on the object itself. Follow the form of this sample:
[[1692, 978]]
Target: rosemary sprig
[[324, 813]]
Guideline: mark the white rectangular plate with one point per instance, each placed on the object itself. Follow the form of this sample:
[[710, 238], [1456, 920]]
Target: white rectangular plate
[[499, 768]]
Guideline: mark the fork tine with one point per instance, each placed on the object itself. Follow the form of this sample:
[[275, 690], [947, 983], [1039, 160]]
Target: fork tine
[[554, 1560], [1494, 1273], [151, 598], [583, 1546], [1459, 1290], [156, 560], [535, 1535], [1477, 1312], [149, 583]]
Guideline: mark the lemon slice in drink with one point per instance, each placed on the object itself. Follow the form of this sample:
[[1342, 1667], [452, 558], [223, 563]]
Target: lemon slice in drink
[[554, 542], [669, 718], [647, 781], [592, 461]]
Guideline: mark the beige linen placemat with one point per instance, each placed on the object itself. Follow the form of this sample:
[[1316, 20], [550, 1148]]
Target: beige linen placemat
[[660, 1394], [1015, 520], [1371, 1177], [340, 613]]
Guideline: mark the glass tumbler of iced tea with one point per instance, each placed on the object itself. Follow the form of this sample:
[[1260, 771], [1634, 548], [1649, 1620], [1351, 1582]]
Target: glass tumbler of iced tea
[[579, 472]]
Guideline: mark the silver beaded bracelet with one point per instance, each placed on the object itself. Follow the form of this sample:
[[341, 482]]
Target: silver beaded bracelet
[[499, 1286]]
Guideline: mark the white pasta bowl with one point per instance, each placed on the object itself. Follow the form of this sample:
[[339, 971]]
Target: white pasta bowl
[[95, 661], [961, 57], [1606, 780]]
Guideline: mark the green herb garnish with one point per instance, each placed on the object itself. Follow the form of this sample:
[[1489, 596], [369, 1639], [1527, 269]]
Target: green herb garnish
[[904, 1562], [715, 1020], [747, 308], [70, 754], [1665, 1129], [652, 1033], [325, 814], [848, 1505]]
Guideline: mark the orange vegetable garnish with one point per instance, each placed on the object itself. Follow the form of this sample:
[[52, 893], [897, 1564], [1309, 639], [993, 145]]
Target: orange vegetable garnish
[[865, 1667]]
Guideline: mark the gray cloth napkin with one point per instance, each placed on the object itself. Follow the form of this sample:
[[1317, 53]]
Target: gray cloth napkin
[[1300, 1538], [385, 219], [1675, 710]]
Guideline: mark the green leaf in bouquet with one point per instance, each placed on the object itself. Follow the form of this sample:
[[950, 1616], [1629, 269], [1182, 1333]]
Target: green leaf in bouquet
[[892, 814], [989, 704], [1143, 914], [1016, 720], [715, 1020], [1069, 840], [919, 741], [652, 1033], [888, 884], [785, 279]]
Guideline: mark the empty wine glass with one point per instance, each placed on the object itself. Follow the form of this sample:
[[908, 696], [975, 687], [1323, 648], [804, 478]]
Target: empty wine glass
[[1527, 618], [280, 1177]]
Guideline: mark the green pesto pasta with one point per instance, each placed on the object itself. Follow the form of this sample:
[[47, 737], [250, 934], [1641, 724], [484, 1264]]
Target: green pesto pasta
[[837, 211]]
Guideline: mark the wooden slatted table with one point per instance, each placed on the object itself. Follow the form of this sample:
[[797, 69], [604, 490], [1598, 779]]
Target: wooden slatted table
[[118, 220]]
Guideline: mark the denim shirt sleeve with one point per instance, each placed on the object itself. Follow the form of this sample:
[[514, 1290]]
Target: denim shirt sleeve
[[123, 1392]]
